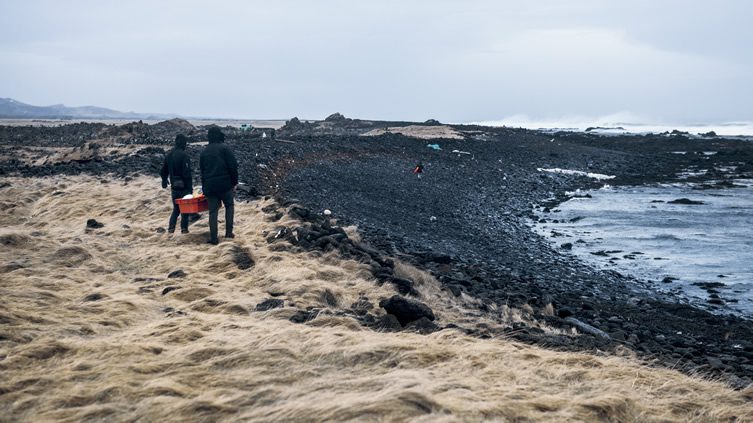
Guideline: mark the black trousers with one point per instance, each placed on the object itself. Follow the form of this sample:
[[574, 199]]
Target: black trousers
[[214, 207], [176, 211]]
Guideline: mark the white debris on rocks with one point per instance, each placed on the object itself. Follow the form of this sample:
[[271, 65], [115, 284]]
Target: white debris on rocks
[[598, 176]]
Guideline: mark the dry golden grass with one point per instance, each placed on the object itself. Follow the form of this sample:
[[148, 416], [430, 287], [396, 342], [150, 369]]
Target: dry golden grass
[[88, 151], [86, 334], [41, 156], [418, 131]]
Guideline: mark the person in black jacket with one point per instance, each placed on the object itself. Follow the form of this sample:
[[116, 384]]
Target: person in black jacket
[[219, 177], [176, 171]]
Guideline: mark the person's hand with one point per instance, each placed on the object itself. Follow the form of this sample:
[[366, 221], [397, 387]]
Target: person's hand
[[164, 183]]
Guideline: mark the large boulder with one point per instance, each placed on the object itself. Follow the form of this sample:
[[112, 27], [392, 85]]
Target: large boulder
[[406, 310], [293, 123], [177, 126], [335, 117]]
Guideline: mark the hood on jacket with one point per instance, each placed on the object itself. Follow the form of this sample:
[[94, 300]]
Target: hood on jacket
[[181, 141], [215, 135]]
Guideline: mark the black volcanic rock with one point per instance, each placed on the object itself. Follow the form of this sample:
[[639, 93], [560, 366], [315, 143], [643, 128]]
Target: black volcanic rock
[[422, 325], [564, 312], [406, 310], [269, 304], [404, 286], [335, 117], [96, 296], [687, 202], [293, 124], [177, 274], [303, 316], [362, 306], [387, 323], [93, 224], [242, 257], [169, 289], [175, 126], [668, 279]]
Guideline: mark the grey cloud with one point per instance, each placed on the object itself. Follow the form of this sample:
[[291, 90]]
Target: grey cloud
[[455, 61]]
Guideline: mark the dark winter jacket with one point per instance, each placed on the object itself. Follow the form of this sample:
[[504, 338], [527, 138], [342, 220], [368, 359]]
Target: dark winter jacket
[[219, 169], [177, 167]]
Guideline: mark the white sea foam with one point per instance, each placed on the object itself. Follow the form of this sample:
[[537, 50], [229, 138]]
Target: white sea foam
[[621, 123], [598, 176]]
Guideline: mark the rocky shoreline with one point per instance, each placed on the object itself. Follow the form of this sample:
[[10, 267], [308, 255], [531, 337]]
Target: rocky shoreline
[[465, 221]]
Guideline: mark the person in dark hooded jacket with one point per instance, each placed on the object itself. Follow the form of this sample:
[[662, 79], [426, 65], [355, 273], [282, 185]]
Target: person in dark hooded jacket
[[219, 177], [176, 171]]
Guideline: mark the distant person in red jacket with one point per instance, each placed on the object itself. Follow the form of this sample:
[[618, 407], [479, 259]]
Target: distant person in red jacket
[[418, 170], [219, 177]]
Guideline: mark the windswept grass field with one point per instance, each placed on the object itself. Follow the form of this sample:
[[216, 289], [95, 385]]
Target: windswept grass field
[[93, 329]]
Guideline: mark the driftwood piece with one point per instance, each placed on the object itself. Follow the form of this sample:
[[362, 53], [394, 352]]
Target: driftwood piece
[[585, 327]]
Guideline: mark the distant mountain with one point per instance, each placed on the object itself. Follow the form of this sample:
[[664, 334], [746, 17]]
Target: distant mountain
[[12, 109]]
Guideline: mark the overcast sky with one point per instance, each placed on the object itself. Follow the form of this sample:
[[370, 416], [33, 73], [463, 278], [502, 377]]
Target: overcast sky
[[680, 61]]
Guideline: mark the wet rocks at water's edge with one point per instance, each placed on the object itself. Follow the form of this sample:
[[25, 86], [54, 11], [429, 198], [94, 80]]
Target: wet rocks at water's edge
[[686, 202]]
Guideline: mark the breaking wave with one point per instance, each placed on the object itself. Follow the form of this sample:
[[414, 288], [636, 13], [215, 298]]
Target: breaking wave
[[621, 123]]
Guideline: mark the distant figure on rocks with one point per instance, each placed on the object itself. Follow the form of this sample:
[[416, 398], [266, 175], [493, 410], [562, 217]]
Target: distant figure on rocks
[[176, 171], [418, 170], [219, 177]]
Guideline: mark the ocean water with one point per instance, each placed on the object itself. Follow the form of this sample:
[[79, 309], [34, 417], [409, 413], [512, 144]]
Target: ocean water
[[702, 253], [621, 123]]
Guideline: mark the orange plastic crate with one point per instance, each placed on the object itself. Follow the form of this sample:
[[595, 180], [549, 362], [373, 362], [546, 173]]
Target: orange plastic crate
[[194, 205]]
